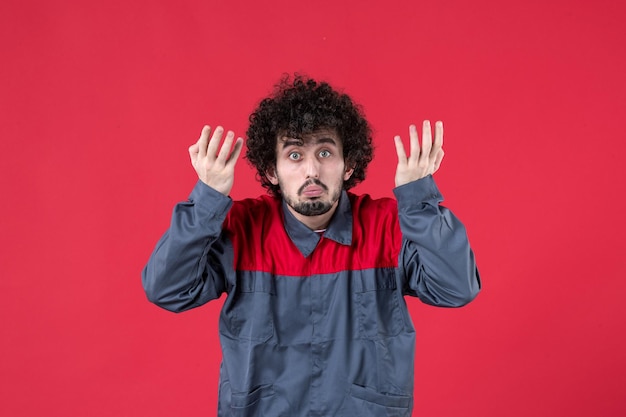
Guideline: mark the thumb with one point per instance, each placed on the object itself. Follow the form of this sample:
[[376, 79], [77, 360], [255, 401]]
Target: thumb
[[193, 152]]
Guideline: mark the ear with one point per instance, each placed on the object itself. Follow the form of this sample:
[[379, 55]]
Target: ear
[[270, 174], [348, 172]]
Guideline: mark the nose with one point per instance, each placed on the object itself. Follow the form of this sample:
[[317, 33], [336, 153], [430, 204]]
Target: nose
[[312, 168]]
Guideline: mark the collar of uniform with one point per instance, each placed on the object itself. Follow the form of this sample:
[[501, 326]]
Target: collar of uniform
[[339, 229]]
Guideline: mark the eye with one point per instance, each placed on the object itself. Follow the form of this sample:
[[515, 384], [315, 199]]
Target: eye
[[294, 156], [324, 154]]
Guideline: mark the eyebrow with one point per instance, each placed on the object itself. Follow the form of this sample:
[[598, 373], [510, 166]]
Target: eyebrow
[[299, 142]]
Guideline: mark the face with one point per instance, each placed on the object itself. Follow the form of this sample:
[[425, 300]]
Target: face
[[310, 173]]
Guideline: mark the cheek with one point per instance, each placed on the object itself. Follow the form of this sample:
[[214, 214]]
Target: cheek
[[343, 173], [287, 181]]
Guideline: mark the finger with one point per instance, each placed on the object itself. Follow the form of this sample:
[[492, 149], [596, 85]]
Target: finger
[[193, 152], [415, 145], [214, 143], [427, 142], [400, 150], [203, 141], [438, 160], [236, 151], [225, 149], [438, 138]]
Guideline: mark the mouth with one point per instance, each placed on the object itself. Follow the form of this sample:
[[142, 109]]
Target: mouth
[[312, 189]]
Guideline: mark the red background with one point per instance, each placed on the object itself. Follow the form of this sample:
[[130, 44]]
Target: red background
[[100, 100]]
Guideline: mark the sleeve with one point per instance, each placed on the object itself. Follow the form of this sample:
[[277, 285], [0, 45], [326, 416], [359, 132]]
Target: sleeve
[[435, 261], [191, 262]]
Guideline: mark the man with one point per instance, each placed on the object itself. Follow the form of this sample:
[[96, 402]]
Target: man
[[314, 322]]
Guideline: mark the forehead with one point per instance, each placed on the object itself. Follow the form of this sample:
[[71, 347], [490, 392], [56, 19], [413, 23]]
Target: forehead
[[326, 136]]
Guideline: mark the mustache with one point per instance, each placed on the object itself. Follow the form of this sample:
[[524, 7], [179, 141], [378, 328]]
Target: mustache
[[312, 181]]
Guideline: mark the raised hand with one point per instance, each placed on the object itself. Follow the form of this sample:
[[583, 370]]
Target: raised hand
[[424, 160], [216, 168]]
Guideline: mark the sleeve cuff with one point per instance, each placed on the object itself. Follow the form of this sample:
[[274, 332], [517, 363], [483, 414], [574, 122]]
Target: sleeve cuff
[[210, 202], [422, 191]]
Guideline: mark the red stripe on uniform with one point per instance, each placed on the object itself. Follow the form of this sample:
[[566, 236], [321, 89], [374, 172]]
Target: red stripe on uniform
[[261, 243]]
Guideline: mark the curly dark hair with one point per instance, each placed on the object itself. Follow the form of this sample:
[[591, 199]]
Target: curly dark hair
[[300, 106]]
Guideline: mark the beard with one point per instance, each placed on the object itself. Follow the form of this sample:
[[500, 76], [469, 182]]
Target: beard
[[313, 207]]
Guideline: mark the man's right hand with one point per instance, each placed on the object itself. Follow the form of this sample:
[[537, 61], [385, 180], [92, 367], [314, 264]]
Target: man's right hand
[[216, 168]]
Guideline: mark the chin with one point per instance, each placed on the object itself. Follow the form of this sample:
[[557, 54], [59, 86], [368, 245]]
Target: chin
[[313, 208]]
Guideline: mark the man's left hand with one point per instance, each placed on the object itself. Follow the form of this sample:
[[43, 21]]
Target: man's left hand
[[425, 159]]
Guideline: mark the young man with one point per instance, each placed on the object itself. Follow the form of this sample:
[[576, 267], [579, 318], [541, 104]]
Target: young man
[[314, 322]]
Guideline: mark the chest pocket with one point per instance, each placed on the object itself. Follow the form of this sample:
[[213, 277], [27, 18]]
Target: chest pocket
[[378, 303], [248, 312]]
